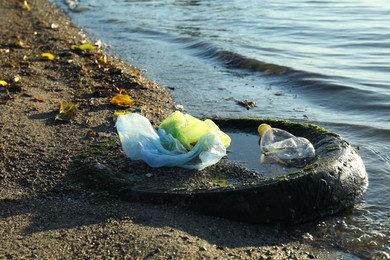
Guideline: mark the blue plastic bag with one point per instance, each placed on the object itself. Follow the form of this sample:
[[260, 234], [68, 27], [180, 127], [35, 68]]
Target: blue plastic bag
[[140, 141]]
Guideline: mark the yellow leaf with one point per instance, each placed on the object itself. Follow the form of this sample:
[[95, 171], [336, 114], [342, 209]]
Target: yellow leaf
[[26, 6], [3, 83], [67, 111], [83, 47], [20, 44], [13, 64], [103, 59], [122, 100], [46, 56]]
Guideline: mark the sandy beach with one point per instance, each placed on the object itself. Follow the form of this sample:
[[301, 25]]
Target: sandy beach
[[44, 213]]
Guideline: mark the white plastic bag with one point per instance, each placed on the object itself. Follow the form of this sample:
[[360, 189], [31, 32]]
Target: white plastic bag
[[157, 148]]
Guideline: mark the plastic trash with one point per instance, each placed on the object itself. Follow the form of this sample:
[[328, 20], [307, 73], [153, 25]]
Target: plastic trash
[[140, 141], [188, 129], [285, 148]]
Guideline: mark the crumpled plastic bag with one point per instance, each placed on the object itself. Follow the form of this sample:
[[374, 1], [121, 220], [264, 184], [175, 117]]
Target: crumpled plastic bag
[[140, 141], [188, 129]]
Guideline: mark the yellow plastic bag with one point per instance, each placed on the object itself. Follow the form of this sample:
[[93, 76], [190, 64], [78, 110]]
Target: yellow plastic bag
[[188, 129]]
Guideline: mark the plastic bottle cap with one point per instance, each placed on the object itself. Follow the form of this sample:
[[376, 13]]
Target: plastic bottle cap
[[262, 128]]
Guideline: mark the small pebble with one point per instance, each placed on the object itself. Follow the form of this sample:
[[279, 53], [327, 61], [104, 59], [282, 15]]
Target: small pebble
[[202, 248]]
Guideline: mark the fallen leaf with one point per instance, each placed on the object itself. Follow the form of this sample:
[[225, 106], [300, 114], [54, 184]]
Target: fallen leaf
[[91, 133], [40, 99], [83, 47], [122, 100], [102, 59], [3, 83], [25, 6], [67, 111], [13, 64], [20, 44], [46, 56], [247, 104], [44, 23]]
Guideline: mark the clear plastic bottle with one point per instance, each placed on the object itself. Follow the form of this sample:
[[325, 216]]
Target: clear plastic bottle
[[284, 147]]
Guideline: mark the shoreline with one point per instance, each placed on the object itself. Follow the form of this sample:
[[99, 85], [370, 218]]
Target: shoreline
[[43, 213]]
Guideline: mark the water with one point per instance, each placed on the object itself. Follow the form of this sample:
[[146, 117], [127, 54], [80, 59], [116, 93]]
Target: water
[[321, 61]]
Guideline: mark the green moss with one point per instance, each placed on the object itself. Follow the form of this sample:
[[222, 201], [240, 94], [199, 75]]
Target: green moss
[[330, 149], [96, 177], [253, 123], [308, 169], [221, 182], [100, 148], [108, 143], [92, 175], [92, 152]]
